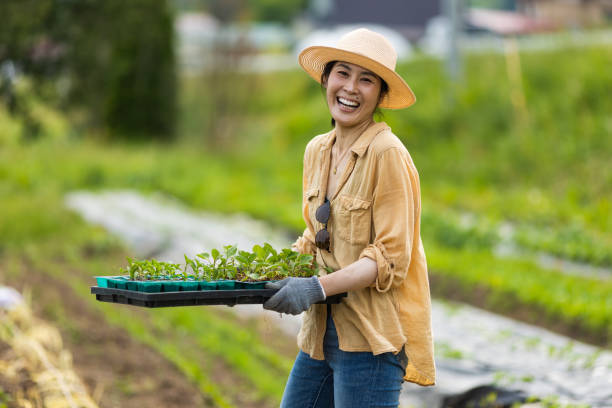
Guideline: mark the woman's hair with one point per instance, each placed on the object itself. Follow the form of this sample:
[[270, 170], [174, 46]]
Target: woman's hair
[[384, 88]]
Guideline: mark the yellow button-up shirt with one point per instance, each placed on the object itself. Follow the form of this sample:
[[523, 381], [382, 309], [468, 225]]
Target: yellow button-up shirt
[[375, 213]]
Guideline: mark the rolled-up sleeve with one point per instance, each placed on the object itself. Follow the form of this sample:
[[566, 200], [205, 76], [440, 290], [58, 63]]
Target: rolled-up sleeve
[[395, 213]]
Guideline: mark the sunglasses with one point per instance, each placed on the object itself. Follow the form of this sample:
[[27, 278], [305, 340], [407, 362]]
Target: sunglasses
[[322, 215]]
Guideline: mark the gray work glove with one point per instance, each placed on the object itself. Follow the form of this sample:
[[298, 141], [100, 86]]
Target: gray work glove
[[295, 295]]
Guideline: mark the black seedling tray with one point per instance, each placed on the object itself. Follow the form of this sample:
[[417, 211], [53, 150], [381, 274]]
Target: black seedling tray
[[192, 298]]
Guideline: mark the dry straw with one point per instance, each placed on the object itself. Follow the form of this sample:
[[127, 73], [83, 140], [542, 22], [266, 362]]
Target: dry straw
[[35, 352]]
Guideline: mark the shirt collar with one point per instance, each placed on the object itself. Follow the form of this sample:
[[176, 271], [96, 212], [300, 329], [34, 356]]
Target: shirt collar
[[361, 145]]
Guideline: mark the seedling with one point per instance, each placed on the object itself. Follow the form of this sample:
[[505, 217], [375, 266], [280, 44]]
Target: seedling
[[263, 263]]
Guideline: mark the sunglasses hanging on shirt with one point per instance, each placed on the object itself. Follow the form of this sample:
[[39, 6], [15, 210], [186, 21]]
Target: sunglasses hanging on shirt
[[322, 216]]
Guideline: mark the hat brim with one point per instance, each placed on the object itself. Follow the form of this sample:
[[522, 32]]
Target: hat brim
[[313, 61]]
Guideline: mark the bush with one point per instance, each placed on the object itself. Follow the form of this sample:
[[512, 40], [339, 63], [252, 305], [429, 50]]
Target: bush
[[112, 57], [141, 95]]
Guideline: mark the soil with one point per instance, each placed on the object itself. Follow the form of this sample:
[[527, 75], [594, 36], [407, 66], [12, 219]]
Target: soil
[[117, 370]]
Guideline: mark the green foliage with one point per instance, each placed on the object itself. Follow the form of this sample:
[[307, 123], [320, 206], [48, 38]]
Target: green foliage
[[445, 228], [501, 4], [228, 11], [5, 399], [96, 57], [25, 24], [280, 11], [569, 242], [553, 402], [151, 270], [140, 98], [11, 128], [577, 300], [32, 118], [263, 263]]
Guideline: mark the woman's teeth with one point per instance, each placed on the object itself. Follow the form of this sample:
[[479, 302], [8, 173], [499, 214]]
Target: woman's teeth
[[348, 103]]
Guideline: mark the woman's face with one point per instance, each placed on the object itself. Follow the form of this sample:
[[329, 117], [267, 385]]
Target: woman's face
[[352, 94]]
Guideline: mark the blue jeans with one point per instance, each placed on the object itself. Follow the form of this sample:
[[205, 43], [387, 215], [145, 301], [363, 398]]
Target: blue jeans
[[344, 379]]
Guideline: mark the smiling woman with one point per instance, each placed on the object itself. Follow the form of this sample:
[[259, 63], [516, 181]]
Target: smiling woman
[[361, 205]]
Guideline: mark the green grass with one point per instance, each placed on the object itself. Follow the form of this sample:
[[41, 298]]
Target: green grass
[[5, 399]]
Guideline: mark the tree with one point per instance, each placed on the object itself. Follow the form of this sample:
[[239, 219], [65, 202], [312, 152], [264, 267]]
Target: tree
[[117, 57]]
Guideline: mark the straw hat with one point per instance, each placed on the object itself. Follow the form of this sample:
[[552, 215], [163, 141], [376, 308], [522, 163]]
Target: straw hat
[[369, 50]]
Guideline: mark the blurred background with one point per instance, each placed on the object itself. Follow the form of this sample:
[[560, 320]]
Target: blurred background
[[154, 128]]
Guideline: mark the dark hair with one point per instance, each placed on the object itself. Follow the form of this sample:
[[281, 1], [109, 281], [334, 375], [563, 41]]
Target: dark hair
[[384, 88]]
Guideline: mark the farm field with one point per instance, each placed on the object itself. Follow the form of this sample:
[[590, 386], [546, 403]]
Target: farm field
[[492, 178]]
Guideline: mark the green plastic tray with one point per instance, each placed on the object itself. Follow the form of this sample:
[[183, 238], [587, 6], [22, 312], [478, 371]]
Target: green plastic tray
[[123, 282]]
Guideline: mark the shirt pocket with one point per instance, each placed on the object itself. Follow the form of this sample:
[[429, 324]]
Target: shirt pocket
[[311, 199], [354, 218]]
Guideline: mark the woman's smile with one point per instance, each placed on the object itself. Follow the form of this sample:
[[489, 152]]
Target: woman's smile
[[348, 104]]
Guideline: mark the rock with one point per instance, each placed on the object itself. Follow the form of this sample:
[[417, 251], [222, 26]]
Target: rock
[[9, 298]]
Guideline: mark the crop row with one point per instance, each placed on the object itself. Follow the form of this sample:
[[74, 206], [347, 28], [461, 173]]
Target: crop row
[[446, 228], [569, 242], [554, 297]]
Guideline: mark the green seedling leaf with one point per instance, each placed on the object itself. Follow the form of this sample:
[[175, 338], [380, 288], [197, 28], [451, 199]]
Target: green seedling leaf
[[260, 253], [269, 249], [230, 250], [304, 257], [204, 255]]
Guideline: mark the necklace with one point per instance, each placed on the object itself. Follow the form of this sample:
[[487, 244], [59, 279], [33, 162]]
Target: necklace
[[339, 160]]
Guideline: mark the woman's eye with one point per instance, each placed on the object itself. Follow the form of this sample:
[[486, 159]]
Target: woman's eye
[[342, 73], [367, 80]]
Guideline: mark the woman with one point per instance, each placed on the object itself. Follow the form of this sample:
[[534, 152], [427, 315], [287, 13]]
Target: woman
[[362, 209]]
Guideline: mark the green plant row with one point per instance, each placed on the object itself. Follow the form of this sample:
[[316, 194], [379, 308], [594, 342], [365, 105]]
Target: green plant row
[[574, 300], [569, 242], [480, 231], [577, 218], [263, 263], [446, 228]]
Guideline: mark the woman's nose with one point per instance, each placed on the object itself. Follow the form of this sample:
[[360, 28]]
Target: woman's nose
[[350, 85]]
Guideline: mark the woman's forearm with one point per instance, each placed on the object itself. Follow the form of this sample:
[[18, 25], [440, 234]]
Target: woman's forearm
[[358, 275]]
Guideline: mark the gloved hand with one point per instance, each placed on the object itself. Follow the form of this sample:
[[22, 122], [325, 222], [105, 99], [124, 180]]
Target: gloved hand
[[295, 295]]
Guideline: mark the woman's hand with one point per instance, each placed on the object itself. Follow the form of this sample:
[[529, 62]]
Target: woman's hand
[[295, 295]]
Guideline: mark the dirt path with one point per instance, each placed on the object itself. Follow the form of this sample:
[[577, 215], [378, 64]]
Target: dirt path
[[118, 371]]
